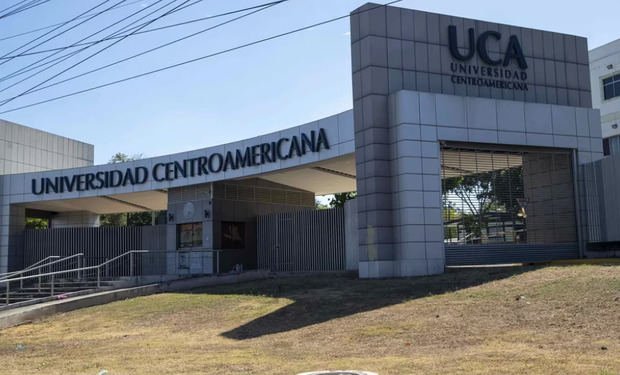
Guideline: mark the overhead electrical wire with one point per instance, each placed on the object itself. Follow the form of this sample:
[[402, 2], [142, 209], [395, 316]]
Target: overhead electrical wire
[[56, 28], [21, 6], [32, 4], [56, 24], [92, 55], [14, 5], [144, 31], [32, 66], [266, 6], [24, 69], [186, 62]]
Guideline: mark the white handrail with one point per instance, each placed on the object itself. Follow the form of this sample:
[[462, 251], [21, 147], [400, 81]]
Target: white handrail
[[73, 269], [81, 269], [48, 264], [3, 275]]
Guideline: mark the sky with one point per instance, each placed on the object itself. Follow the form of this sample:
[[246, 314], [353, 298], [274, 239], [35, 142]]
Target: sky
[[248, 92]]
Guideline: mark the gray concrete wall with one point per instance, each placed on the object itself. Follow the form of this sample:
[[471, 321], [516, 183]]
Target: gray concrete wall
[[245, 200], [405, 102], [23, 149], [403, 49], [188, 205], [401, 230]]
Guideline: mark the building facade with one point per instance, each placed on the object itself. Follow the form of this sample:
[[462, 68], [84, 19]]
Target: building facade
[[469, 142], [605, 78], [26, 150]]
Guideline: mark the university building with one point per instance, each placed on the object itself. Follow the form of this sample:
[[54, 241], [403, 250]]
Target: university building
[[469, 142]]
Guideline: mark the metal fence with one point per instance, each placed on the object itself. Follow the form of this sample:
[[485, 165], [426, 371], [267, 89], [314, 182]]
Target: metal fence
[[97, 244], [302, 241]]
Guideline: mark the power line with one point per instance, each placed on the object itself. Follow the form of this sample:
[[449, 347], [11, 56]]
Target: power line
[[56, 28], [266, 6], [193, 60], [28, 68], [32, 4], [56, 24], [144, 31], [92, 55], [13, 6], [24, 69]]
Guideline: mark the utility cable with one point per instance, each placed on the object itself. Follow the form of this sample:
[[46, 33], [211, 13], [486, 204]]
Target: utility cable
[[13, 6], [56, 24], [90, 56], [147, 51], [56, 28], [37, 64], [25, 69], [78, 44], [32, 4], [201, 58]]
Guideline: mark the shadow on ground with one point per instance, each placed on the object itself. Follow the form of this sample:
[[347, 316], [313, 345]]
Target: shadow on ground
[[319, 299]]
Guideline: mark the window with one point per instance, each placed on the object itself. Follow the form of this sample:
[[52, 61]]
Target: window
[[189, 235], [233, 235], [611, 87]]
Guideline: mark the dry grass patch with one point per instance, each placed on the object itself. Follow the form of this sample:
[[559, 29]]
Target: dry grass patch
[[469, 321]]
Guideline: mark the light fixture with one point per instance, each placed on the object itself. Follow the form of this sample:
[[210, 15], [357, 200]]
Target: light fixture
[[610, 66], [614, 126]]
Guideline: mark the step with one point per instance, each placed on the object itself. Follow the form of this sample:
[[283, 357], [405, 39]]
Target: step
[[63, 289], [76, 284], [27, 294]]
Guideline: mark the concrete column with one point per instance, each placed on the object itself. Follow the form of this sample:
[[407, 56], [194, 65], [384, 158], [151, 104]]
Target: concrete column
[[416, 185], [190, 204], [372, 148], [17, 224]]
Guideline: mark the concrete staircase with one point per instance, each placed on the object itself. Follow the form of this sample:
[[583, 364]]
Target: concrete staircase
[[34, 293]]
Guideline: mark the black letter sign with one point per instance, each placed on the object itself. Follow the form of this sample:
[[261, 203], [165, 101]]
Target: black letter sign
[[454, 49]]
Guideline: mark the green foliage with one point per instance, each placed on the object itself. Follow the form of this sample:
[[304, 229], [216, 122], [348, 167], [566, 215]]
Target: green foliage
[[339, 199], [132, 218], [36, 223], [320, 206], [120, 157], [481, 193]]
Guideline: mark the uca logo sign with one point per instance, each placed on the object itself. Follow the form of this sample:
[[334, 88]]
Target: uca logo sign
[[496, 72]]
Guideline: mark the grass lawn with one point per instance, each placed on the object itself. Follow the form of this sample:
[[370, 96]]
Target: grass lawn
[[469, 321]]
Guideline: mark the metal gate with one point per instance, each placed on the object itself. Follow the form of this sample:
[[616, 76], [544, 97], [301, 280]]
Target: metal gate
[[506, 253], [302, 241]]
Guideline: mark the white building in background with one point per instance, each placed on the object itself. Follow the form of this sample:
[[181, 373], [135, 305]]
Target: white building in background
[[24, 149], [605, 78]]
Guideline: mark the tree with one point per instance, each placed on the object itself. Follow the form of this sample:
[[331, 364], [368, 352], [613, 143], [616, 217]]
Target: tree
[[339, 199], [483, 192], [320, 206], [131, 218], [120, 157], [36, 223]]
